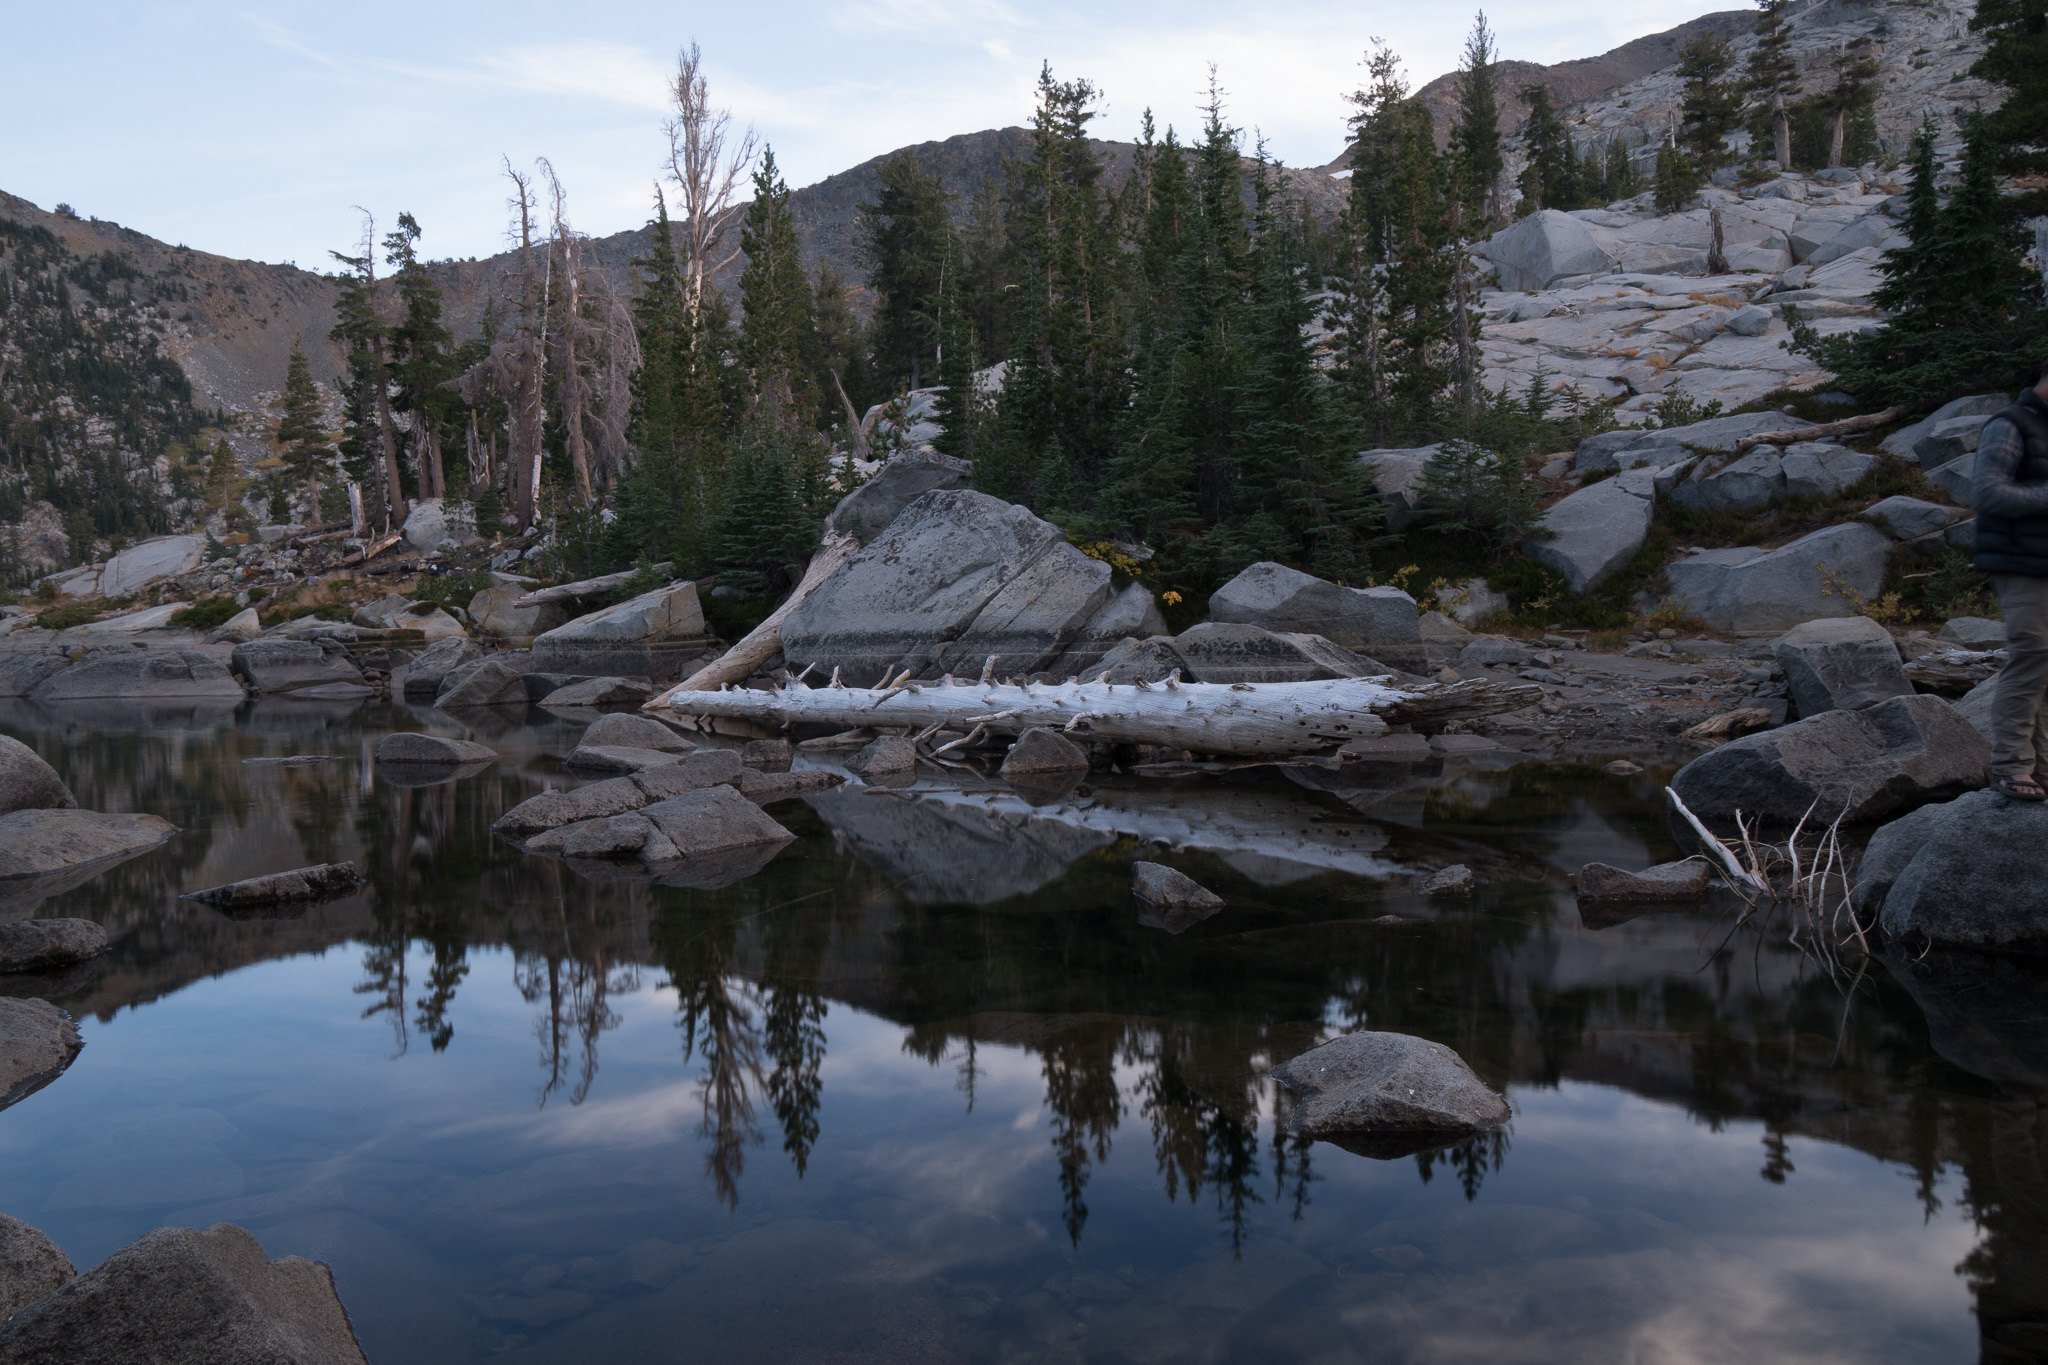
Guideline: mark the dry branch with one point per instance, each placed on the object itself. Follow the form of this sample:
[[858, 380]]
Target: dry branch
[[762, 642]]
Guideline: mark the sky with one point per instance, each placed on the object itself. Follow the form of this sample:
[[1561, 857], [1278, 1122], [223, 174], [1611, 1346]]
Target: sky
[[256, 130]]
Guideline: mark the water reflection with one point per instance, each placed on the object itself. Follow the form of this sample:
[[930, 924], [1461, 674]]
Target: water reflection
[[978, 927]]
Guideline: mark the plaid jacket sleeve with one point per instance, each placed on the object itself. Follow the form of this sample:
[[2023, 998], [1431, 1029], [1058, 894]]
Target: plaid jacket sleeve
[[1995, 487]]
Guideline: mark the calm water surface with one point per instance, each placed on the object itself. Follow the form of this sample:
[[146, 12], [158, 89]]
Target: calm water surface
[[925, 1087]]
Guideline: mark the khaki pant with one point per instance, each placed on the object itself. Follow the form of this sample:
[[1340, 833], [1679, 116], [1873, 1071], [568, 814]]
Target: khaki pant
[[2019, 708]]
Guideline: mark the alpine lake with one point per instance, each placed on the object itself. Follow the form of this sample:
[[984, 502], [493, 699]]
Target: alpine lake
[[929, 1086]]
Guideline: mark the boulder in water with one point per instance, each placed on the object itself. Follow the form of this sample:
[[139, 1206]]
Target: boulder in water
[[28, 783], [1388, 1094]]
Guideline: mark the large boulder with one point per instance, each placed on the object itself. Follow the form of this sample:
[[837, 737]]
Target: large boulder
[[494, 611], [1382, 622], [651, 636], [37, 1041], [867, 511], [31, 1266], [1864, 766], [1965, 875], [1947, 441], [958, 577], [1911, 519], [1831, 572], [423, 676], [1388, 1094], [36, 843], [1132, 613], [585, 693], [141, 675], [432, 524], [28, 783], [1746, 483], [1592, 533], [152, 561], [1979, 406], [178, 1296], [1823, 469], [1840, 664], [1396, 474], [1536, 251], [271, 666]]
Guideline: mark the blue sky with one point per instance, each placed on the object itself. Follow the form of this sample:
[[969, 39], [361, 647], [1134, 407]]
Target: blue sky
[[251, 129]]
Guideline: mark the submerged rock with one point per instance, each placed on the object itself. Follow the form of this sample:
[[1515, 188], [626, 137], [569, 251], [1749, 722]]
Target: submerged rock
[[620, 795], [28, 783], [412, 747], [1840, 664], [601, 692], [178, 1296], [627, 731], [1862, 765], [768, 755], [713, 820], [1966, 874], [281, 888], [48, 945], [1388, 1094], [37, 1041], [31, 1266], [1040, 753], [1170, 900], [890, 761], [1455, 880], [36, 843], [1681, 883]]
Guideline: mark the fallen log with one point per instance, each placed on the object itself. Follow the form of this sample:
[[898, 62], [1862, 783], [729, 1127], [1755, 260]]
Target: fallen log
[[1848, 426], [764, 641], [1245, 719], [584, 589]]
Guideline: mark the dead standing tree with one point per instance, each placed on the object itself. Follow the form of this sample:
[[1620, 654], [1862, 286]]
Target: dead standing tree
[[596, 351], [707, 176], [512, 371]]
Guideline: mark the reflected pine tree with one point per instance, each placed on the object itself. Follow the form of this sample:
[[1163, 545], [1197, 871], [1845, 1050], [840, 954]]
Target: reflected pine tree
[[1470, 1159]]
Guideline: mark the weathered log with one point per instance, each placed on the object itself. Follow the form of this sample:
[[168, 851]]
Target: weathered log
[[1847, 426], [584, 589], [1266, 720], [762, 642]]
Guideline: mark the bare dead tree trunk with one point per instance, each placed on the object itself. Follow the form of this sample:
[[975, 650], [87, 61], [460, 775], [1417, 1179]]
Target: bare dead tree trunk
[[856, 434], [1781, 129], [1838, 134], [706, 174], [570, 369], [394, 494], [1462, 338], [522, 474], [1717, 256]]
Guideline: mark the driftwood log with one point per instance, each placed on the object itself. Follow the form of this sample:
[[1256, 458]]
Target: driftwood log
[[1268, 720], [1848, 426], [584, 589]]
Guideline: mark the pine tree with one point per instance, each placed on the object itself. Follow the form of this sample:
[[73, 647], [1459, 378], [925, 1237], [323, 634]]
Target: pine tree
[[1376, 131], [369, 445], [906, 238], [1475, 137], [300, 438], [1771, 78], [2016, 59], [1711, 105], [1962, 309], [1420, 283], [841, 356], [778, 339], [1678, 180], [420, 364], [1551, 179]]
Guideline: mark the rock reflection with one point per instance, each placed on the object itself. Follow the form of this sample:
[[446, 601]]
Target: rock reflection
[[976, 922]]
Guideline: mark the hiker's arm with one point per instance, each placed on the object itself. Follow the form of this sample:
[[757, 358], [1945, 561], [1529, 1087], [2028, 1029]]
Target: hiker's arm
[[1995, 487]]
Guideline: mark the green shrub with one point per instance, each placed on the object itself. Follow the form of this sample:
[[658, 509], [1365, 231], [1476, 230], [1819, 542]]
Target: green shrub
[[206, 613]]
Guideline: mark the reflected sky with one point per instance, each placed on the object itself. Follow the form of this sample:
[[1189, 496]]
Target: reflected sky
[[866, 1105]]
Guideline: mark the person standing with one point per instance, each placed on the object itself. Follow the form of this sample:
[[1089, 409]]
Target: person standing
[[2010, 492]]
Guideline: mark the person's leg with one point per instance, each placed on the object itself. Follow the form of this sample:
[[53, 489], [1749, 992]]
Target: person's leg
[[2016, 731]]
